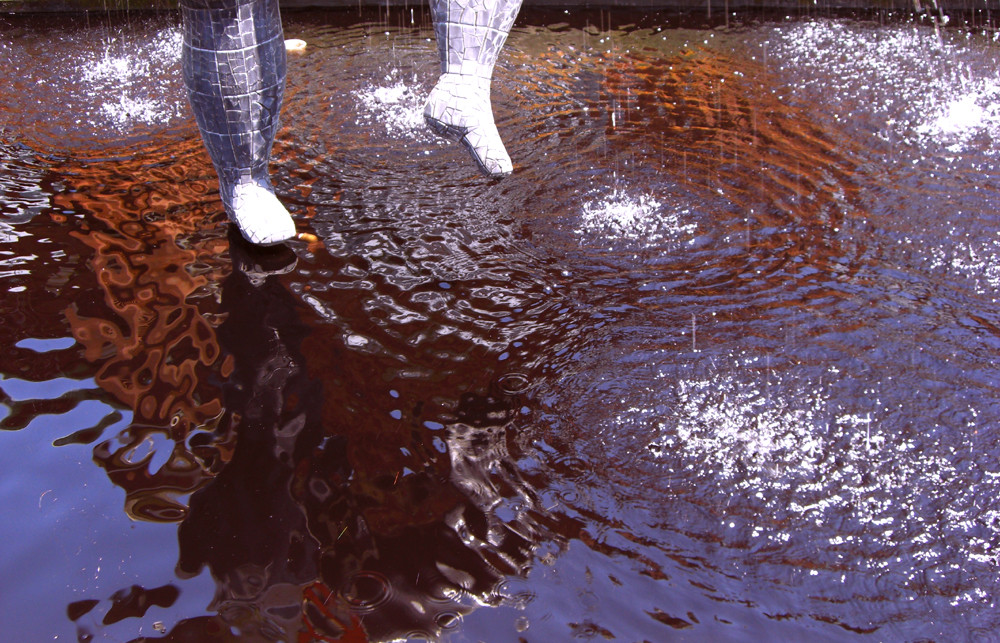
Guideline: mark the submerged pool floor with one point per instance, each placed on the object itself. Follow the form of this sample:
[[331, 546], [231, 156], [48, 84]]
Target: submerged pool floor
[[718, 362]]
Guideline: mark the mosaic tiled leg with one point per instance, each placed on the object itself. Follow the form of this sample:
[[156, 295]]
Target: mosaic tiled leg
[[470, 34], [234, 69]]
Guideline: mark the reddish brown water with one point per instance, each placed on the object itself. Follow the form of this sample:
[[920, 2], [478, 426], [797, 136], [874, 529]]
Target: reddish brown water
[[718, 362]]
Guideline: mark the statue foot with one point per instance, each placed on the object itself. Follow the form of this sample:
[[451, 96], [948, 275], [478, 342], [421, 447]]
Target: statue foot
[[459, 109], [259, 216]]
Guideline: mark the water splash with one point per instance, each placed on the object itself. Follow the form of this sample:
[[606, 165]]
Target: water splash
[[974, 111], [622, 216], [927, 92], [396, 105], [128, 79], [809, 459], [729, 429]]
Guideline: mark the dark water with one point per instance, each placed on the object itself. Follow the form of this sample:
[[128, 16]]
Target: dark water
[[718, 362]]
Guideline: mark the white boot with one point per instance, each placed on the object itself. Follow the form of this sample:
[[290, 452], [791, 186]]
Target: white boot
[[470, 35], [259, 215]]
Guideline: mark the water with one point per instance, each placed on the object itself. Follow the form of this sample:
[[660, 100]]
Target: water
[[716, 363]]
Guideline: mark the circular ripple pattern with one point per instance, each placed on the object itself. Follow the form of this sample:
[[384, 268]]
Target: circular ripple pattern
[[366, 591], [719, 357]]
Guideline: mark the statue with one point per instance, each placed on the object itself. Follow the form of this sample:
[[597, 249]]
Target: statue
[[470, 34], [234, 68]]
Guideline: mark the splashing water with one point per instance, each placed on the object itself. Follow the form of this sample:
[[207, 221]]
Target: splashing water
[[621, 216], [925, 90], [127, 81], [810, 462], [729, 430], [397, 106], [974, 112]]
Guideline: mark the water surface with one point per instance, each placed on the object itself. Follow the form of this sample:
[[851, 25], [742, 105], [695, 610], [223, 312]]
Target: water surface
[[716, 363]]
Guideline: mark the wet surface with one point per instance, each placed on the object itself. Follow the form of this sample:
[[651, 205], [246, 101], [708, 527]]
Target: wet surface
[[718, 362]]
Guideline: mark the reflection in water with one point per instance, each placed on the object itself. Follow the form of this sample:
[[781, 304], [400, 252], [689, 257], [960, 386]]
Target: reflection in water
[[151, 333], [296, 536], [245, 524], [718, 358]]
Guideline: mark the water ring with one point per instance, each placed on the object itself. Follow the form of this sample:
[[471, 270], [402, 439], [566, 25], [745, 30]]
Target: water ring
[[366, 591], [514, 592], [568, 497], [513, 383], [448, 620]]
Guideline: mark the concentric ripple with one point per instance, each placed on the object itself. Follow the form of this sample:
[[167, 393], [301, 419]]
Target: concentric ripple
[[719, 357]]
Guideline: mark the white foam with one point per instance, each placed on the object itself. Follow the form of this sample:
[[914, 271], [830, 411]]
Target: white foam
[[125, 80], [784, 444], [397, 106], [623, 216], [925, 90]]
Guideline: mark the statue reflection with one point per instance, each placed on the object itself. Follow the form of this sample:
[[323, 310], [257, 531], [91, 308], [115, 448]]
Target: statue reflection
[[290, 530], [245, 525]]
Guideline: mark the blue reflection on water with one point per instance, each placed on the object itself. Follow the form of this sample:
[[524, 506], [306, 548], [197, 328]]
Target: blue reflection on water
[[19, 389], [46, 345]]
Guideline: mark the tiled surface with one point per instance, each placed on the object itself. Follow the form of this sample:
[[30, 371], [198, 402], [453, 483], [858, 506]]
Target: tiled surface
[[459, 109], [234, 68], [470, 35]]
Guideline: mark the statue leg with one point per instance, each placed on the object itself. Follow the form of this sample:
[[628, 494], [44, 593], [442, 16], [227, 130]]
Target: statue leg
[[234, 69], [470, 34]]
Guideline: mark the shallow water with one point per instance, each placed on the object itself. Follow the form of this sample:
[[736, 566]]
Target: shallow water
[[716, 363]]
